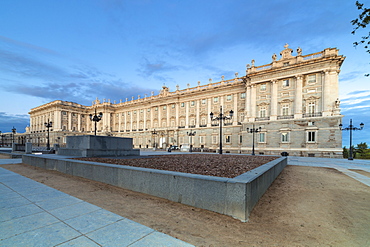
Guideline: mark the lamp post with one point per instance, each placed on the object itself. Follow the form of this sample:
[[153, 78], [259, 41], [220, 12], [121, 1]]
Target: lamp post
[[253, 130], [14, 130], [96, 118], [350, 128], [154, 133], [48, 125], [220, 118], [191, 134]]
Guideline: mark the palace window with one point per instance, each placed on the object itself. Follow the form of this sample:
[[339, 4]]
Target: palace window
[[285, 110], [156, 109], [228, 139], [173, 106], [148, 109], [240, 139], [286, 83], [201, 139], [263, 111], [204, 101], [262, 137], [284, 137], [228, 97], [134, 112], [263, 87], [242, 95], [192, 103], [311, 78], [214, 139], [311, 136], [311, 107], [128, 113], [203, 121], [182, 104], [164, 107], [215, 99], [241, 117]]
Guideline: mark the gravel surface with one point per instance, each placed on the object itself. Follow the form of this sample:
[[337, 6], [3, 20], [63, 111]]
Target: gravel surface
[[228, 166]]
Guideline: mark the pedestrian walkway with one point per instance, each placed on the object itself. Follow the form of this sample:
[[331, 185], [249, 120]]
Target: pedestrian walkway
[[347, 167], [33, 214]]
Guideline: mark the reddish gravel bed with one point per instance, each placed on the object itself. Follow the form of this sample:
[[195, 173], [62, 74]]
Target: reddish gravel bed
[[228, 166]]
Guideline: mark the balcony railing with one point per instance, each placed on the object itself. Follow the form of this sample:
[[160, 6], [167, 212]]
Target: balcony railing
[[191, 126], [262, 118], [181, 127], [203, 125], [285, 117], [316, 114]]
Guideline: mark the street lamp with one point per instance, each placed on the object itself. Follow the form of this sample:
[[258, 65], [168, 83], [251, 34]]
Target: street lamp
[[191, 134], [220, 118], [253, 130], [48, 125], [96, 118], [154, 133], [14, 130], [350, 128]]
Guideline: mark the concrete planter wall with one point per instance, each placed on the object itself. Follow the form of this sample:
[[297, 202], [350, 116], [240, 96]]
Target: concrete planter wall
[[235, 197]]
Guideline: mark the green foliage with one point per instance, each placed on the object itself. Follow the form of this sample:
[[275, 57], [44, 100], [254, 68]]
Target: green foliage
[[360, 23], [361, 151]]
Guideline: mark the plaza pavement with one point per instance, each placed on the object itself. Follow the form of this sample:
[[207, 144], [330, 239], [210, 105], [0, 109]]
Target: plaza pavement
[[33, 214]]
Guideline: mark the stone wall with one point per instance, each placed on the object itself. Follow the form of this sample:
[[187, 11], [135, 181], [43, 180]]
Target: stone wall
[[235, 197]]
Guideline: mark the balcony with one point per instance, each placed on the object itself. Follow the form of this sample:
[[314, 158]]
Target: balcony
[[203, 125], [262, 118], [316, 114], [285, 117], [191, 126], [181, 127]]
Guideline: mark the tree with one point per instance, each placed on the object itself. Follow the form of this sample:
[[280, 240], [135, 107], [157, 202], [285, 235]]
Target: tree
[[360, 23]]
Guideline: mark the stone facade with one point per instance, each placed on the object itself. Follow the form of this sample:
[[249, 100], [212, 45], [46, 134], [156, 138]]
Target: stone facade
[[294, 100]]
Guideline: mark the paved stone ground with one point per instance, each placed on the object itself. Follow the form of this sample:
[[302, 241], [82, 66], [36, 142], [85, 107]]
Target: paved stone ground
[[33, 214], [342, 165]]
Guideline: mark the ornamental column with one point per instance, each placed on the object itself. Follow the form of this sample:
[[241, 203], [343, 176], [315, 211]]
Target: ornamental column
[[177, 115], [78, 122], [330, 92], [168, 108], [298, 97], [274, 104], [197, 114], [248, 103], [187, 114], [69, 121], [253, 103], [209, 109], [235, 118]]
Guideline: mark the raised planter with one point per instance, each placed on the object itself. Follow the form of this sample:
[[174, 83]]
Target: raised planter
[[235, 197]]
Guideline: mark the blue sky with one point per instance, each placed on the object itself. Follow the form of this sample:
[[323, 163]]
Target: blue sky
[[78, 50]]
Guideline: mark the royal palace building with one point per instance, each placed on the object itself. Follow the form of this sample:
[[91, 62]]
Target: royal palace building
[[292, 103]]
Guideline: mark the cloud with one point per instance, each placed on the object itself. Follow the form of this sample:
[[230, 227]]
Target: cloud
[[20, 122], [156, 69], [77, 82]]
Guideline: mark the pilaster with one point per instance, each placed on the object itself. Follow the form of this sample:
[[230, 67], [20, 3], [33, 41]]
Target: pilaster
[[298, 97]]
